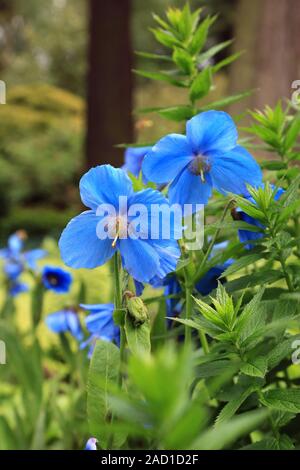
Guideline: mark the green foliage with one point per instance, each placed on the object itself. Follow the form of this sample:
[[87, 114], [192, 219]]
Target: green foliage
[[184, 34]]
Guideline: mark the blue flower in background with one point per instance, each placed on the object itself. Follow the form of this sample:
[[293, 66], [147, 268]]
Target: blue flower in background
[[206, 157], [16, 287], [247, 236], [134, 157], [64, 321], [16, 261], [205, 286], [14, 255], [142, 256], [100, 324], [91, 444], [56, 279]]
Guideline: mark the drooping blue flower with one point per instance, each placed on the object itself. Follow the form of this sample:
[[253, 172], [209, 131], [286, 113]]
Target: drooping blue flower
[[143, 255], [134, 157], [64, 321], [246, 236], [16, 287], [15, 258], [206, 157], [56, 279], [91, 444], [100, 324]]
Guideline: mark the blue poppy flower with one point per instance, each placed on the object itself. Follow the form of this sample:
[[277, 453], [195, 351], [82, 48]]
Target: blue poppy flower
[[56, 279], [64, 321], [143, 255], [91, 444], [206, 157], [100, 324], [247, 236], [134, 157]]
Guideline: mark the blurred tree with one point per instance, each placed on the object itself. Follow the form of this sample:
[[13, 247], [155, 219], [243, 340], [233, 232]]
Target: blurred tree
[[110, 81], [268, 31]]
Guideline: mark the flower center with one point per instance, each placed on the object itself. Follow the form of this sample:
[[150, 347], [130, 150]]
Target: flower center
[[118, 229], [52, 280], [199, 166]]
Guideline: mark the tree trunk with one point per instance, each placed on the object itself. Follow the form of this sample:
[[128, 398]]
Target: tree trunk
[[110, 82], [268, 31]]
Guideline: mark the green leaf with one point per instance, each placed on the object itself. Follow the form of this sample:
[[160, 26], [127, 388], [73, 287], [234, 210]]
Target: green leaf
[[149, 55], [138, 337], [281, 351], [214, 368], [165, 38], [273, 165], [222, 103], [200, 36], [104, 368], [161, 76], [213, 51], [201, 85], [241, 263], [227, 61], [284, 400], [177, 113], [228, 432], [183, 60], [234, 404], [292, 134], [256, 367]]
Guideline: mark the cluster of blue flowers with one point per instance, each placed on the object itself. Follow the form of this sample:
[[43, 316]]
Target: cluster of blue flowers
[[16, 261], [206, 158]]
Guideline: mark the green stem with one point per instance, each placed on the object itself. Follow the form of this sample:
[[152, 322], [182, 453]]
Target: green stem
[[198, 274], [188, 315], [118, 306]]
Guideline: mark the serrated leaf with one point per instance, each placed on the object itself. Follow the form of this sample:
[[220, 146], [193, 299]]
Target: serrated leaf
[[233, 405], [284, 400], [256, 367], [183, 60], [213, 51], [241, 263], [281, 351]]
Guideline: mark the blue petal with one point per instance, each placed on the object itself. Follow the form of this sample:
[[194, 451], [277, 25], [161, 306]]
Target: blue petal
[[139, 258], [57, 322], [134, 158], [74, 326], [211, 130], [31, 257], [91, 444], [169, 254], [15, 244], [79, 245], [154, 219], [230, 172], [167, 158], [188, 188], [103, 185]]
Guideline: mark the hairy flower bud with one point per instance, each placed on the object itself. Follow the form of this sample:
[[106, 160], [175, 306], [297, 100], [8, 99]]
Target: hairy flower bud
[[137, 310]]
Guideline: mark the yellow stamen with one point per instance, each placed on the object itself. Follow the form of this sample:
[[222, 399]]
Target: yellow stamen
[[116, 239], [202, 175]]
